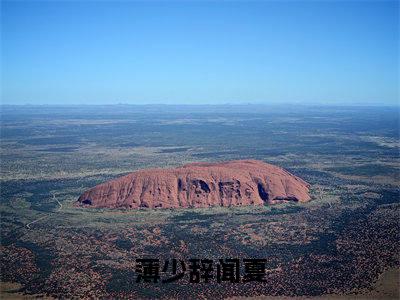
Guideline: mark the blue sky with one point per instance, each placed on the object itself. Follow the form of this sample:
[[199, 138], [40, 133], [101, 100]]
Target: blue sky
[[89, 52]]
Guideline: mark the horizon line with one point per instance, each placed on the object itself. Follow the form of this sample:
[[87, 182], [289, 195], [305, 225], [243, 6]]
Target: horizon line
[[211, 104]]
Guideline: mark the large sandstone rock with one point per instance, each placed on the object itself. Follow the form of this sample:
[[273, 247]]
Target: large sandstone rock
[[242, 182]]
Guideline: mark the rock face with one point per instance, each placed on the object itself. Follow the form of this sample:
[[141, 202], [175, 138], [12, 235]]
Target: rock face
[[232, 183]]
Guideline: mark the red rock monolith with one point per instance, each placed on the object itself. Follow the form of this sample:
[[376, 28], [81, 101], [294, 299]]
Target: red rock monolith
[[231, 183]]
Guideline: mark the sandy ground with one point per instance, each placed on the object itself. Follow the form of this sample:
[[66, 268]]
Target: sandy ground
[[7, 291]]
